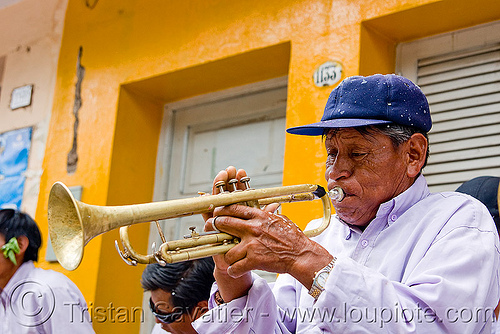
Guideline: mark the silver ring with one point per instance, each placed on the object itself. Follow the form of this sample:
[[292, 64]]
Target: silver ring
[[213, 223]]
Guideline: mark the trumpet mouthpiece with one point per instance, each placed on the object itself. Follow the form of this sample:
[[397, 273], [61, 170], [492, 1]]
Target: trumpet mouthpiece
[[336, 194]]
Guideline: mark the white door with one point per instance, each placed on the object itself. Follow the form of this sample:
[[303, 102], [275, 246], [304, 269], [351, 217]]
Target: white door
[[246, 130], [460, 74], [243, 127]]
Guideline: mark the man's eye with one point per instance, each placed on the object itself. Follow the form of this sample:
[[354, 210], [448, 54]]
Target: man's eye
[[331, 153], [358, 155], [330, 159], [332, 156]]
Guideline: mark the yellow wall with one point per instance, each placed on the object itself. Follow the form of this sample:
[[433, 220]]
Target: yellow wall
[[140, 55]]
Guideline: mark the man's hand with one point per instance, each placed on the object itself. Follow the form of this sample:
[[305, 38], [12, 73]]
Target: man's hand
[[269, 241], [230, 288]]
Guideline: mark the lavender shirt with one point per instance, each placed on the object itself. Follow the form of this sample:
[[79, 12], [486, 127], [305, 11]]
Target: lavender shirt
[[42, 301], [427, 263]]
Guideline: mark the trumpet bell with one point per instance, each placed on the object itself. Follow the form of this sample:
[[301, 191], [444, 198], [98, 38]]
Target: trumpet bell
[[66, 228]]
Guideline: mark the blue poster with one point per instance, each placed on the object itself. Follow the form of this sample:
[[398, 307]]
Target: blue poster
[[14, 152]]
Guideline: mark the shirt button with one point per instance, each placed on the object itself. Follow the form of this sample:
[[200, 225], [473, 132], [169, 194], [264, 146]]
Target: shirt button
[[348, 236], [364, 243], [393, 218]]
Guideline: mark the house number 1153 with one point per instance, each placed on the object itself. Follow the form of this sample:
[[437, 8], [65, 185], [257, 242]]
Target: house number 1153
[[327, 74]]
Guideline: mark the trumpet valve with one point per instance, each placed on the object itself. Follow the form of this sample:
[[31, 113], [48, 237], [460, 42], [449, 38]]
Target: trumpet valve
[[233, 183], [246, 181], [193, 234], [220, 186]]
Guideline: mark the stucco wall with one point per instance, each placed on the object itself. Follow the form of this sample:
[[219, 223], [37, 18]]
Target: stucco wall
[[29, 45]]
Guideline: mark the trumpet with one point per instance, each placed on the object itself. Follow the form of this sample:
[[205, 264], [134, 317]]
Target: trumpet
[[72, 224]]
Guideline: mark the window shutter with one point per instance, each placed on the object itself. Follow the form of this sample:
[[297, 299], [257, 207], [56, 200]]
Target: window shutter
[[463, 89]]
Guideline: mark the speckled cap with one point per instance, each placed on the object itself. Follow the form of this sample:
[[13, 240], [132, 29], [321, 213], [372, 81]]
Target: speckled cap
[[376, 99]]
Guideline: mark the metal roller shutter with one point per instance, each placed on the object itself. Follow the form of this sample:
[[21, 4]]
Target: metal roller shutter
[[463, 89], [464, 93]]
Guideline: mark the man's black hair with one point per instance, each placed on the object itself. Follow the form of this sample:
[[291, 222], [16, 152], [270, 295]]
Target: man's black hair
[[189, 282], [14, 223]]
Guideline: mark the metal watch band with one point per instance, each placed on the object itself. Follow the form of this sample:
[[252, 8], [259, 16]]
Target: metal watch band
[[317, 288]]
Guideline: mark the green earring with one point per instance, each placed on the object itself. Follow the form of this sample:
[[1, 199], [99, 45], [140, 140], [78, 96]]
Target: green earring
[[10, 248]]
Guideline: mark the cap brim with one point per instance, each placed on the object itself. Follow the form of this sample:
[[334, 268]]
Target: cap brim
[[317, 129]]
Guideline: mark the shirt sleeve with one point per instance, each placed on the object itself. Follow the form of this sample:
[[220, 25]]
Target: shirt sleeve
[[71, 314], [158, 330], [256, 312], [452, 288]]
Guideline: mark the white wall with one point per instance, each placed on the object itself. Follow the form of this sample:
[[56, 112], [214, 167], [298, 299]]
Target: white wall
[[30, 40]]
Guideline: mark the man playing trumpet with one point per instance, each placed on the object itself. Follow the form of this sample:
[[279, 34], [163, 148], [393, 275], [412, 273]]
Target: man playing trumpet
[[395, 258]]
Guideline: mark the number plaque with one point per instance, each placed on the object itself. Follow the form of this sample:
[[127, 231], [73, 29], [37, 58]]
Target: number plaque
[[327, 74]]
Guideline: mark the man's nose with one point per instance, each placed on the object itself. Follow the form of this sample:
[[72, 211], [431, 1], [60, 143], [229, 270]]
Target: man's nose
[[340, 168]]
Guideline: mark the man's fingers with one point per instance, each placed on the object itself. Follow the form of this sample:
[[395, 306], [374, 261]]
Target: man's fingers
[[209, 224], [230, 225], [239, 211], [239, 268], [272, 208], [225, 175], [221, 176], [235, 254], [241, 173], [231, 172]]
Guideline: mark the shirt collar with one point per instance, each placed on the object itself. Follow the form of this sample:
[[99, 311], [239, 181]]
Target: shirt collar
[[395, 206], [21, 273], [401, 203]]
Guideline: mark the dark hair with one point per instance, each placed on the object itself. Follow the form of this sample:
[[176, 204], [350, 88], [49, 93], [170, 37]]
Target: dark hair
[[189, 282], [398, 134], [14, 223]]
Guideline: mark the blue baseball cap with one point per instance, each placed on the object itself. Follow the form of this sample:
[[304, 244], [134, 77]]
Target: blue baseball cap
[[375, 99]]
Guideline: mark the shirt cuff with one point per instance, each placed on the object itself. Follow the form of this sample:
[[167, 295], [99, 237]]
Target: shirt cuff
[[252, 311]]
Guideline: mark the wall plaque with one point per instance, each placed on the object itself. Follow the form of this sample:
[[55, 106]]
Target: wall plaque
[[21, 97], [327, 74]]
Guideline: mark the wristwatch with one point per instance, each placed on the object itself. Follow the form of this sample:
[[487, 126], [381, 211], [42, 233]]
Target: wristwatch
[[320, 278]]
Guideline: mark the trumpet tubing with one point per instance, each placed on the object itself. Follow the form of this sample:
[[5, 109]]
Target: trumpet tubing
[[72, 224]]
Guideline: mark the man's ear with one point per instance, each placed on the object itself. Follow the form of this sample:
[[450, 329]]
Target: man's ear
[[201, 307], [202, 304], [23, 243], [416, 154]]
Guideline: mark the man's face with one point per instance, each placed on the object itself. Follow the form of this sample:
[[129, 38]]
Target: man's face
[[163, 303], [368, 168], [7, 268]]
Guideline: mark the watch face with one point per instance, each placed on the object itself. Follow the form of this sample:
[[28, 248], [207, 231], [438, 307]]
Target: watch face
[[322, 278]]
